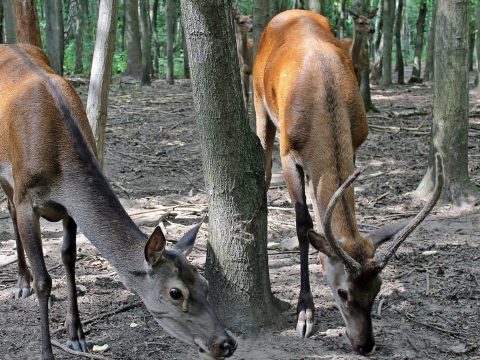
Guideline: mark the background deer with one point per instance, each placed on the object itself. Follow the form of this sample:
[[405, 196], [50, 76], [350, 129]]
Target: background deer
[[355, 47], [48, 169], [305, 87], [244, 25]]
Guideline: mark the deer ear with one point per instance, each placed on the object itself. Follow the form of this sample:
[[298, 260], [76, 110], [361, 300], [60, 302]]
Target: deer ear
[[155, 246], [234, 13], [372, 13], [319, 242], [385, 233], [185, 244], [353, 13]]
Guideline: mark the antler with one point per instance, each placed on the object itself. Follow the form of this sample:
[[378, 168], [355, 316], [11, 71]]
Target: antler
[[382, 257], [351, 265]]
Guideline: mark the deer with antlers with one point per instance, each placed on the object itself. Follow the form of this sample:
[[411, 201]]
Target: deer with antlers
[[305, 87]]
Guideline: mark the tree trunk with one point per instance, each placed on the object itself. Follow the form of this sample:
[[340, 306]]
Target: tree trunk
[[101, 73], [378, 46], [54, 34], [170, 21], [341, 19], [186, 64], [26, 21], [132, 33], [1, 22], [388, 19], [146, 42], [156, 42], [317, 6], [449, 135], [429, 69], [471, 45], [417, 57], [79, 22], [261, 16], [10, 27], [477, 47], [237, 261], [398, 42]]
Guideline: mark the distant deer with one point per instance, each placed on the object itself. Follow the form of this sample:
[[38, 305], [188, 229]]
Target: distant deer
[[49, 169], [355, 47], [305, 87], [244, 25]]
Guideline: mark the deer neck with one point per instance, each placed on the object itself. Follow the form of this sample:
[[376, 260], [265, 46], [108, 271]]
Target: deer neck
[[356, 47]]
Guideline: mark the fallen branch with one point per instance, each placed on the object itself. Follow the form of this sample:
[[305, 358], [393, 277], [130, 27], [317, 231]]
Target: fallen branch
[[77, 353]]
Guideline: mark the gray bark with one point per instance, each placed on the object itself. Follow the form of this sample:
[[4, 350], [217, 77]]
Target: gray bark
[[132, 34], [261, 16], [429, 69], [170, 22], [317, 6], [146, 42], [186, 64], [54, 34], [417, 57], [398, 42], [10, 28], [237, 261], [154, 32], [101, 73], [80, 6], [388, 18], [1, 22], [477, 48], [341, 19], [450, 105], [378, 48]]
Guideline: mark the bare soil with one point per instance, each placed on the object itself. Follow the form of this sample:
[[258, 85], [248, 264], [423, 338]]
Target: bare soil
[[429, 305]]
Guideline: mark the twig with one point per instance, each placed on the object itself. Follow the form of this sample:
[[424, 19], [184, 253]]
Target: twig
[[427, 290], [379, 309], [454, 333], [412, 345], [77, 353], [9, 262]]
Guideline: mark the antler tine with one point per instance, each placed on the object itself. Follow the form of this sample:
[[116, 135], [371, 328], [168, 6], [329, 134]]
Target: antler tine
[[351, 265], [382, 257]]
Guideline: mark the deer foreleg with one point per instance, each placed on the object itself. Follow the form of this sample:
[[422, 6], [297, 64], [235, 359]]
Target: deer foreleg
[[76, 338]]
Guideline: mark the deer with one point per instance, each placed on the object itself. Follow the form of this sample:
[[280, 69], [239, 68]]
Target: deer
[[305, 88], [243, 25], [354, 47], [49, 169]]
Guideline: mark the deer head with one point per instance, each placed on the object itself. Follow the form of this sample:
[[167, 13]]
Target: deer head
[[243, 22], [176, 295], [355, 280], [362, 23]]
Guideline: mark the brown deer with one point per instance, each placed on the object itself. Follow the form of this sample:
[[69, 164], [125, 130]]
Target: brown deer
[[48, 168], [354, 47], [305, 87], [244, 25]]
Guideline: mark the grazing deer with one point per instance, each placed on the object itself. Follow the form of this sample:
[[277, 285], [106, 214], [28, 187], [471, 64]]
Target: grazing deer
[[305, 87], [354, 47], [244, 25], [48, 168]]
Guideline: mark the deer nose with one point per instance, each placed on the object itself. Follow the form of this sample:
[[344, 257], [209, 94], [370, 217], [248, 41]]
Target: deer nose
[[367, 348], [228, 347]]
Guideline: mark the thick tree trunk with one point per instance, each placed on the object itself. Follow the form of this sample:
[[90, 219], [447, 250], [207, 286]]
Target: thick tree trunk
[[261, 16], [341, 19], [132, 33], [450, 105], [101, 74], [237, 262], [398, 42], [26, 21], [79, 24], [146, 42], [429, 69], [170, 22], [388, 19], [9, 16], [417, 57], [156, 41], [54, 34]]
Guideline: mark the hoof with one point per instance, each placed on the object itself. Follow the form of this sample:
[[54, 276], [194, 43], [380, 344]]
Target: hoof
[[78, 345], [23, 293], [305, 323]]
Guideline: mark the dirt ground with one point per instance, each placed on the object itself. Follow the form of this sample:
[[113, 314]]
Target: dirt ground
[[428, 307]]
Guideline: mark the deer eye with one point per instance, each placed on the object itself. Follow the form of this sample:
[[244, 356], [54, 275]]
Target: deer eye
[[343, 294], [175, 294]]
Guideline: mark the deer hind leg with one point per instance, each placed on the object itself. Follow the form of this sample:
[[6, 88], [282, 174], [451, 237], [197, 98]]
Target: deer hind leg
[[295, 180], [76, 338], [266, 132], [24, 288], [29, 231]]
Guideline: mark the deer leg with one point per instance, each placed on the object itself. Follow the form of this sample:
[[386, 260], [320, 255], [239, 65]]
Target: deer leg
[[76, 338], [295, 179], [246, 87], [23, 289], [29, 231], [266, 133], [316, 210]]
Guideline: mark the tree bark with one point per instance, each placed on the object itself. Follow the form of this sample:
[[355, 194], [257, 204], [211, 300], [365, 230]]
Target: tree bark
[[237, 262], [477, 49], [261, 16], [9, 16], [132, 34], [170, 22], [398, 43], [341, 19], [388, 18], [317, 6], [378, 46], [79, 26], [429, 69], [54, 34], [449, 135], [1, 22], [26, 21], [146, 42], [417, 57], [186, 64], [101, 73], [156, 41]]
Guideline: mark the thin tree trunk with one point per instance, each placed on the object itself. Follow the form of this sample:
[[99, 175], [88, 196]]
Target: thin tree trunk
[[186, 64], [477, 46], [146, 42], [1, 22], [237, 261], [26, 21], [134, 49], [471, 45], [261, 16], [101, 74], [378, 46], [417, 57], [429, 69], [341, 19], [449, 135], [9, 16], [156, 42], [317, 6], [170, 31], [79, 22], [388, 19], [398, 42], [54, 34]]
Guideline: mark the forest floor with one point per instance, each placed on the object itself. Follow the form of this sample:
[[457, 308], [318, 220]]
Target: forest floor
[[428, 307]]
